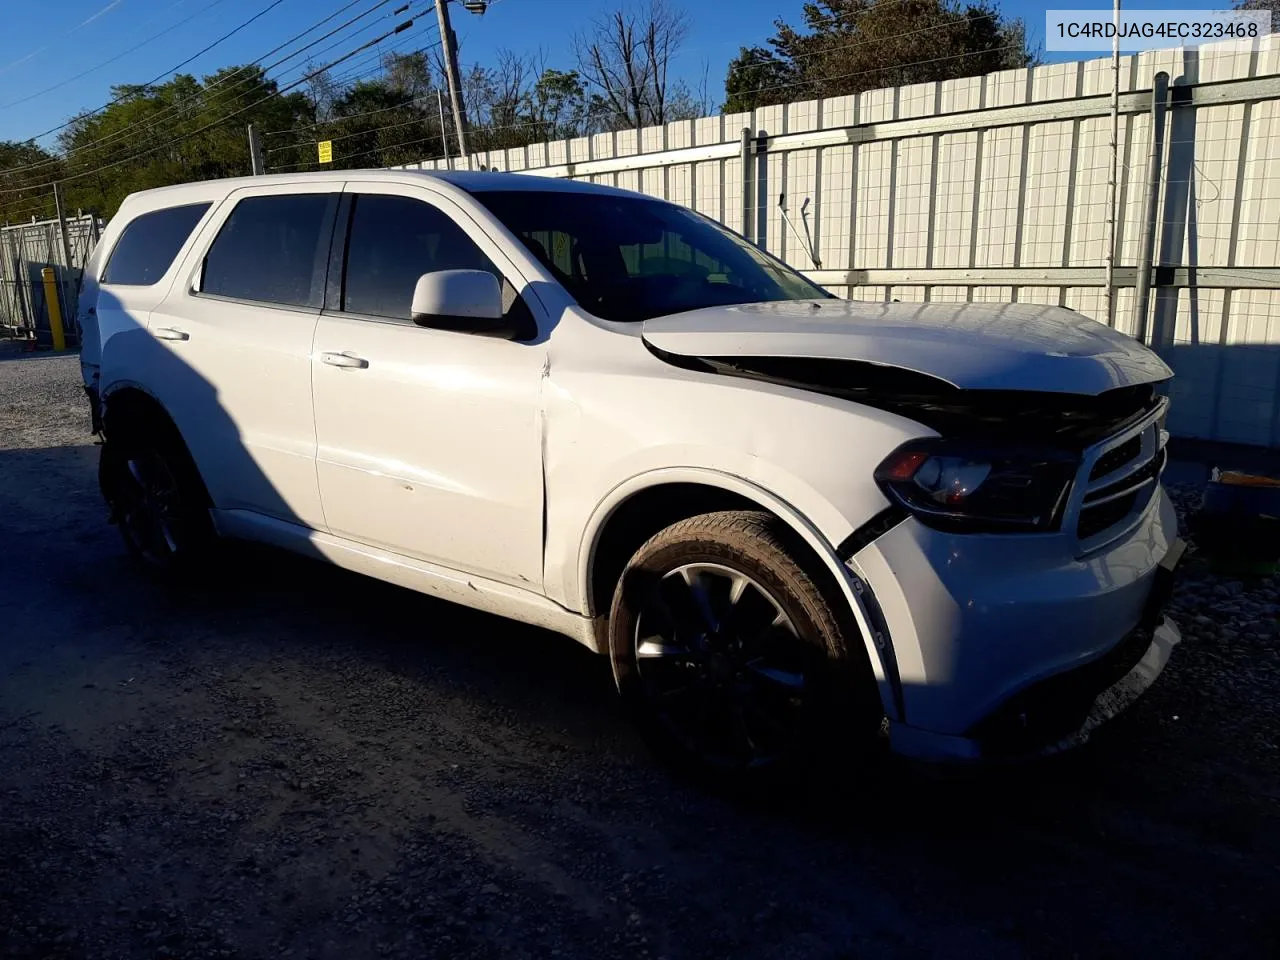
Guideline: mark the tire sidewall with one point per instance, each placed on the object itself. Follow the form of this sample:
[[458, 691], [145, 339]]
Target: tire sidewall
[[827, 730]]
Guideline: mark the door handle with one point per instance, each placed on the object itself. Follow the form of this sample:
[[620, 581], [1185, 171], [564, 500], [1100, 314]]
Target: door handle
[[171, 333], [344, 360]]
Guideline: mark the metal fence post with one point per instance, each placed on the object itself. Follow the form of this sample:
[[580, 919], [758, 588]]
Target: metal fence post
[[68, 292], [1151, 210], [256, 163], [761, 235]]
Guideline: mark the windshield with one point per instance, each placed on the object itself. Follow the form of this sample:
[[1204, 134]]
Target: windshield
[[631, 258]]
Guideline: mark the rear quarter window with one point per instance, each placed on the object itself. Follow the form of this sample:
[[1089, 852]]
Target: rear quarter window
[[149, 243]]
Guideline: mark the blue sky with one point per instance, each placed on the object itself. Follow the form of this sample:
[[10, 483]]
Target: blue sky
[[43, 50]]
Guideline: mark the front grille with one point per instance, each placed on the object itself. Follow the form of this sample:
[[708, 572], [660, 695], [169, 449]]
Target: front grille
[[1133, 481], [1094, 520], [1107, 503], [1113, 460]]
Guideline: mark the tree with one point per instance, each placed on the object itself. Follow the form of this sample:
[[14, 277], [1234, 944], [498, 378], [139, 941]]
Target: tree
[[409, 74], [183, 129], [559, 106], [847, 46], [322, 88], [753, 74], [373, 125], [625, 60], [1271, 5], [26, 172]]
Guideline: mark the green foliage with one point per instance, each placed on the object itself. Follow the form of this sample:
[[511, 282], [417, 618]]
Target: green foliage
[[753, 74], [25, 171], [195, 129], [847, 46], [149, 136], [376, 124], [181, 130]]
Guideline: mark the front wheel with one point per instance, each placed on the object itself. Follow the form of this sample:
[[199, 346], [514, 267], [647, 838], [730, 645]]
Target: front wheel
[[732, 656]]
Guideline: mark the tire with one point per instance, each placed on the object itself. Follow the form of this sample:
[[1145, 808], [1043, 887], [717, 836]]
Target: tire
[[736, 663], [157, 500]]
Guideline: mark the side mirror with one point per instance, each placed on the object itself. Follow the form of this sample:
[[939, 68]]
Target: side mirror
[[468, 301]]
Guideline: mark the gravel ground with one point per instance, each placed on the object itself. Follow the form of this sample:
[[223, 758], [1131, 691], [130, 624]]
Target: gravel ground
[[299, 762]]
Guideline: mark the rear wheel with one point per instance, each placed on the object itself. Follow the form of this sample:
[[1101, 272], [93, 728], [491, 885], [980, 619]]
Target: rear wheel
[[733, 658], [157, 500]]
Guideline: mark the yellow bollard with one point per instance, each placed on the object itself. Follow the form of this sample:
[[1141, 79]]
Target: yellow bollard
[[50, 277]]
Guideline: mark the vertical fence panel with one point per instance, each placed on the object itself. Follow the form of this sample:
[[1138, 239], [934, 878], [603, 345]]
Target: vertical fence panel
[[837, 199], [955, 175], [25, 250], [1015, 208]]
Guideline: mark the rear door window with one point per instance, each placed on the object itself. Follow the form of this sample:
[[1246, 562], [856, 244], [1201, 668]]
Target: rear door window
[[149, 243], [273, 249]]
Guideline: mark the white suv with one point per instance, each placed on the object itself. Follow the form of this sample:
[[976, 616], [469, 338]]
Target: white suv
[[794, 523]]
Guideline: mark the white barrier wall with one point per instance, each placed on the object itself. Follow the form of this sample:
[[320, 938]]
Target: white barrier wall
[[995, 188]]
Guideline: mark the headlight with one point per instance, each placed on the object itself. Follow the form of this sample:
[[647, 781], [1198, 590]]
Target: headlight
[[963, 486]]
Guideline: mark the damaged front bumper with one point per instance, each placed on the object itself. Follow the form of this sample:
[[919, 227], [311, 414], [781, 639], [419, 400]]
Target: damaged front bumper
[[1062, 711], [1044, 721]]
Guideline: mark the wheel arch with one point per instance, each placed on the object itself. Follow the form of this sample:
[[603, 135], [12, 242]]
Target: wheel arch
[[131, 406], [638, 508], [126, 399]]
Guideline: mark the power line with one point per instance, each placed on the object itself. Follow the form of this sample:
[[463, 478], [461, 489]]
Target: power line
[[885, 69], [301, 79], [215, 123], [362, 68], [340, 41], [358, 133], [364, 153], [377, 60], [840, 19], [782, 61], [107, 62], [818, 80], [345, 118], [378, 54], [226, 36], [325, 123], [153, 122]]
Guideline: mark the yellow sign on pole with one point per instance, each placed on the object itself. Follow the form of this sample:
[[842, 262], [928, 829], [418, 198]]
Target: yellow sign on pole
[[326, 151]]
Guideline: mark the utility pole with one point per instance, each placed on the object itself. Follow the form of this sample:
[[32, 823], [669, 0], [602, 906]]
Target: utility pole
[[450, 43], [255, 152]]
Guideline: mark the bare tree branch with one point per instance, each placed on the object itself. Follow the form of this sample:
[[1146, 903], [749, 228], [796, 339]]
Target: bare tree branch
[[625, 60]]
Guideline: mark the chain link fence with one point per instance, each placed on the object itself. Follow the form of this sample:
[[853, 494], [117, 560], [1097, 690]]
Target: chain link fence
[[25, 251]]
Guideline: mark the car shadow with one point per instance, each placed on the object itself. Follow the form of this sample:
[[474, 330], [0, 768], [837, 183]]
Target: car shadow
[[1030, 849]]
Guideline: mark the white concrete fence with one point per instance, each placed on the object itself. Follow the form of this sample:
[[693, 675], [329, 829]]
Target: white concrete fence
[[995, 188]]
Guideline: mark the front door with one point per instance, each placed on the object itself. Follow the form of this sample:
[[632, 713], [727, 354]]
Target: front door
[[429, 441]]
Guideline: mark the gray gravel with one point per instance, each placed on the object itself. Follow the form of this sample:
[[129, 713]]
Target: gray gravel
[[294, 761]]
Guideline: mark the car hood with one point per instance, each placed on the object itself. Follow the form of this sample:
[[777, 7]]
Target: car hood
[[971, 346]]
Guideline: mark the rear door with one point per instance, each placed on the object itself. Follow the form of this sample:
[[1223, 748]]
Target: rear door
[[236, 331]]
